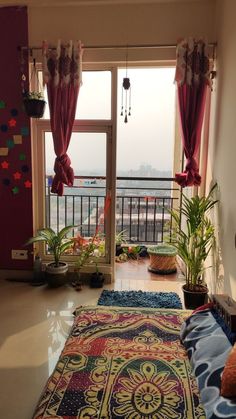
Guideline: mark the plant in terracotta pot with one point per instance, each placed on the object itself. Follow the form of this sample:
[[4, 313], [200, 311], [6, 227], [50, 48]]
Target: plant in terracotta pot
[[57, 244], [193, 240], [34, 104]]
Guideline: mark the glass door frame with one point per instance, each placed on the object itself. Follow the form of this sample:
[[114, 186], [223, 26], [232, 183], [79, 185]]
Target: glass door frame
[[38, 161]]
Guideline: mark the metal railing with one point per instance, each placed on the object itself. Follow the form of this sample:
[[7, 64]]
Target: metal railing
[[142, 207]]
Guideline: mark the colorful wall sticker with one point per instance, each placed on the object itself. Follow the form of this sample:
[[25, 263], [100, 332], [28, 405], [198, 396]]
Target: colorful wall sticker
[[12, 123], [17, 139], [24, 131], [28, 184], [22, 156], [15, 190], [10, 143], [2, 104], [3, 151], [5, 164], [17, 175]]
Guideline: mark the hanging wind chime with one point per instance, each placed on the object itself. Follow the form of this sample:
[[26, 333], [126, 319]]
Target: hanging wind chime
[[126, 92]]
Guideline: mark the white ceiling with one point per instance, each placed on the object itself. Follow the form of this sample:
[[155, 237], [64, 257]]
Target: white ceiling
[[41, 3]]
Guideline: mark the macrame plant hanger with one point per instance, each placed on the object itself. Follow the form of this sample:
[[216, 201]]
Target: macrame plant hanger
[[126, 91], [22, 71]]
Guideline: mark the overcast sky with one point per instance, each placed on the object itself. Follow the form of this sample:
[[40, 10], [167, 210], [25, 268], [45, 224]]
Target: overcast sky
[[147, 138]]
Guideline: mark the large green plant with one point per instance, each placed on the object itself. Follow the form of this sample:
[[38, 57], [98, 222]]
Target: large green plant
[[57, 242], [194, 236]]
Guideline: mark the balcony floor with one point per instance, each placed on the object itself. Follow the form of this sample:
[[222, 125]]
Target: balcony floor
[[134, 275], [138, 270]]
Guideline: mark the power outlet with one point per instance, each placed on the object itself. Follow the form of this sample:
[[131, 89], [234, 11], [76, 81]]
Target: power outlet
[[19, 254]]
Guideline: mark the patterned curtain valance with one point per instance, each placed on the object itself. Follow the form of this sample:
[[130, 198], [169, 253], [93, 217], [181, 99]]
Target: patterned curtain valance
[[63, 64], [192, 66]]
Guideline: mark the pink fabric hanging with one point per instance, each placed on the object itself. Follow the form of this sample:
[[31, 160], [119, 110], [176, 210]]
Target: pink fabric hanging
[[192, 78], [62, 70]]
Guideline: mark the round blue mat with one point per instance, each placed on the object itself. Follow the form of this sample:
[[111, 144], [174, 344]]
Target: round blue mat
[[139, 299]]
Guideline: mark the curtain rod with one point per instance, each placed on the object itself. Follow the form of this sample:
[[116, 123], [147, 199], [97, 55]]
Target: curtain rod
[[132, 46]]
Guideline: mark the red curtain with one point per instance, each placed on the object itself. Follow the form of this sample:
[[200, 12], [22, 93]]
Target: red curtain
[[193, 78], [62, 71]]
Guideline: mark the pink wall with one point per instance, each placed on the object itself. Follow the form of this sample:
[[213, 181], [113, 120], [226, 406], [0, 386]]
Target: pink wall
[[15, 167]]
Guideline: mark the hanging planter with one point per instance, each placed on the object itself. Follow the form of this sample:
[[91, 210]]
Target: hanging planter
[[33, 101], [34, 104]]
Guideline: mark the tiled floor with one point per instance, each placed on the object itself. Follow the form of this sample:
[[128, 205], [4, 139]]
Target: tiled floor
[[35, 322]]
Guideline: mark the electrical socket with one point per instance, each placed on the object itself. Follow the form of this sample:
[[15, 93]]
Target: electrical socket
[[19, 254]]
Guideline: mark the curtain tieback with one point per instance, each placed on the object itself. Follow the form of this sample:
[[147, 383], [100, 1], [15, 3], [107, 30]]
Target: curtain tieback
[[63, 170], [191, 165], [190, 176]]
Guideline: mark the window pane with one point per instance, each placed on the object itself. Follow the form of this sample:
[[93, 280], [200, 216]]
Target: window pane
[[87, 151], [145, 145], [82, 204], [94, 101]]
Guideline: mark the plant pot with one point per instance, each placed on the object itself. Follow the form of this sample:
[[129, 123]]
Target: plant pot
[[34, 107], [119, 249], [97, 280], [195, 299], [56, 276]]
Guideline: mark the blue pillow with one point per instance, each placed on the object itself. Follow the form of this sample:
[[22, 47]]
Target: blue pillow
[[208, 348]]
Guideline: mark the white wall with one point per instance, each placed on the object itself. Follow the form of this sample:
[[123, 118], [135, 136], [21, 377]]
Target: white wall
[[223, 138], [123, 23]]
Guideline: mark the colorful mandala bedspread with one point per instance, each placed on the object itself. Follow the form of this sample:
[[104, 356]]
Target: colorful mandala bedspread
[[122, 363]]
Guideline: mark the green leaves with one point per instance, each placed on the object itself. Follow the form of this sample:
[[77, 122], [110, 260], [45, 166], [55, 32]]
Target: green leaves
[[194, 235], [33, 95], [57, 242]]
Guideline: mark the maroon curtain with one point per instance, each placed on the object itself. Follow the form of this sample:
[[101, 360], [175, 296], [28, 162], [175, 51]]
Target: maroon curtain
[[193, 78], [62, 74]]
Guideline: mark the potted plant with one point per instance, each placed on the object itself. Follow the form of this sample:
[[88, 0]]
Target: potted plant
[[34, 104], [120, 239], [57, 244], [97, 279], [193, 240], [86, 249]]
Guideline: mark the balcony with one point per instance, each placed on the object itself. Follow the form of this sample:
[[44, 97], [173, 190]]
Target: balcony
[[142, 207]]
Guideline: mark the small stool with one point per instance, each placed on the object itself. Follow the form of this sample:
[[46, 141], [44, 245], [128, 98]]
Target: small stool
[[162, 259]]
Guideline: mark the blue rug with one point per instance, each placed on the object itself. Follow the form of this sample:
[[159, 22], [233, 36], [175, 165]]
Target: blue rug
[[139, 299]]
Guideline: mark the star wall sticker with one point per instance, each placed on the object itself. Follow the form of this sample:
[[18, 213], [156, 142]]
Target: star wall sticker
[[17, 175], [5, 164], [2, 104], [28, 184], [15, 190], [12, 123]]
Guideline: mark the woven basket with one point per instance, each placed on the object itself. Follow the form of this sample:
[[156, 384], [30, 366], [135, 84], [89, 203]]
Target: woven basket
[[162, 259]]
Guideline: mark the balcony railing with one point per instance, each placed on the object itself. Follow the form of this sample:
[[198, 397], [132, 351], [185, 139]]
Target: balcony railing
[[142, 207]]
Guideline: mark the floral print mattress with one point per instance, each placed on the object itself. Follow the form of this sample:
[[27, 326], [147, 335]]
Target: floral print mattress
[[125, 363]]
